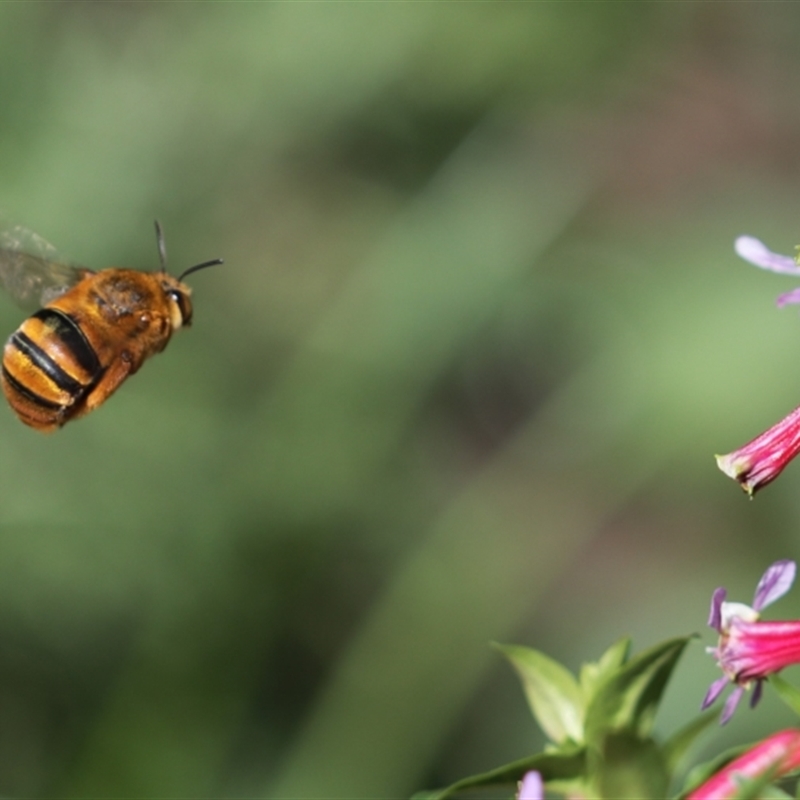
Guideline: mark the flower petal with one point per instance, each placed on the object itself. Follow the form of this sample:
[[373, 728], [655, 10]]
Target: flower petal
[[756, 650], [715, 614], [788, 298], [714, 691], [531, 787], [730, 704], [757, 253], [774, 583]]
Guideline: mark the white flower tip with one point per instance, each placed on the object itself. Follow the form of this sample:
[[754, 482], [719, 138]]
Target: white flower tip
[[725, 463], [733, 465], [750, 248], [738, 467], [732, 611], [758, 254]]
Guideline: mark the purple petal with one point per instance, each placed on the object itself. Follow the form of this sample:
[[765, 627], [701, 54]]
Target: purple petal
[[774, 583], [787, 298], [715, 614], [757, 692], [730, 704], [714, 691], [754, 251], [531, 787]]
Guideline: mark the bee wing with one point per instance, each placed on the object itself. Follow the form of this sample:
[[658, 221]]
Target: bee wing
[[31, 270]]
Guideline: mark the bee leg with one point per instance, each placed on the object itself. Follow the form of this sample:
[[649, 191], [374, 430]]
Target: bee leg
[[112, 378]]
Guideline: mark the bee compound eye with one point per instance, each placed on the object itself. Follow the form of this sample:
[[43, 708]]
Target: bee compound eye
[[183, 307]]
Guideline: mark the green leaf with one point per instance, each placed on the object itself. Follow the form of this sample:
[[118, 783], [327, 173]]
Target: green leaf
[[629, 768], [566, 764], [628, 699], [593, 674], [770, 793], [553, 693], [787, 692], [678, 745]]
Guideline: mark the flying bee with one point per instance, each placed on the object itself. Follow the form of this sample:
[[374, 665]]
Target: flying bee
[[92, 329]]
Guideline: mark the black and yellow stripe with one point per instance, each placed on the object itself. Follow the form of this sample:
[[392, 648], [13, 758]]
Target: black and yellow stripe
[[65, 333], [48, 366]]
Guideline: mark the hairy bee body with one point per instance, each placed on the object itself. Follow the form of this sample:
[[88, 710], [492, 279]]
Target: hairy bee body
[[70, 356], [95, 329]]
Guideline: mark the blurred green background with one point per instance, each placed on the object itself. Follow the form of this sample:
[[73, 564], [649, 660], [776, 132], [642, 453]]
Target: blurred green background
[[479, 331]]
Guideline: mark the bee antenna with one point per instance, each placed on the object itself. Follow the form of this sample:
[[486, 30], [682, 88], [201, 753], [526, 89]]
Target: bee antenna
[[162, 254], [213, 263], [162, 246]]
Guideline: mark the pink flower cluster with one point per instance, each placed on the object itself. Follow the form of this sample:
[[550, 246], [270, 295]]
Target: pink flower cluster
[[749, 650]]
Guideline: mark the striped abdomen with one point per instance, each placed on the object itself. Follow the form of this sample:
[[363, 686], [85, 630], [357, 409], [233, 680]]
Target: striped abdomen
[[48, 367]]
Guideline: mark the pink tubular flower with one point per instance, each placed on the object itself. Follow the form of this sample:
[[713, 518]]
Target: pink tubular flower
[[779, 752], [764, 458], [749, 650], [531, 787]]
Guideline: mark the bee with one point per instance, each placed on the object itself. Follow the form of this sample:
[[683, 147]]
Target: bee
[[92, 329]]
